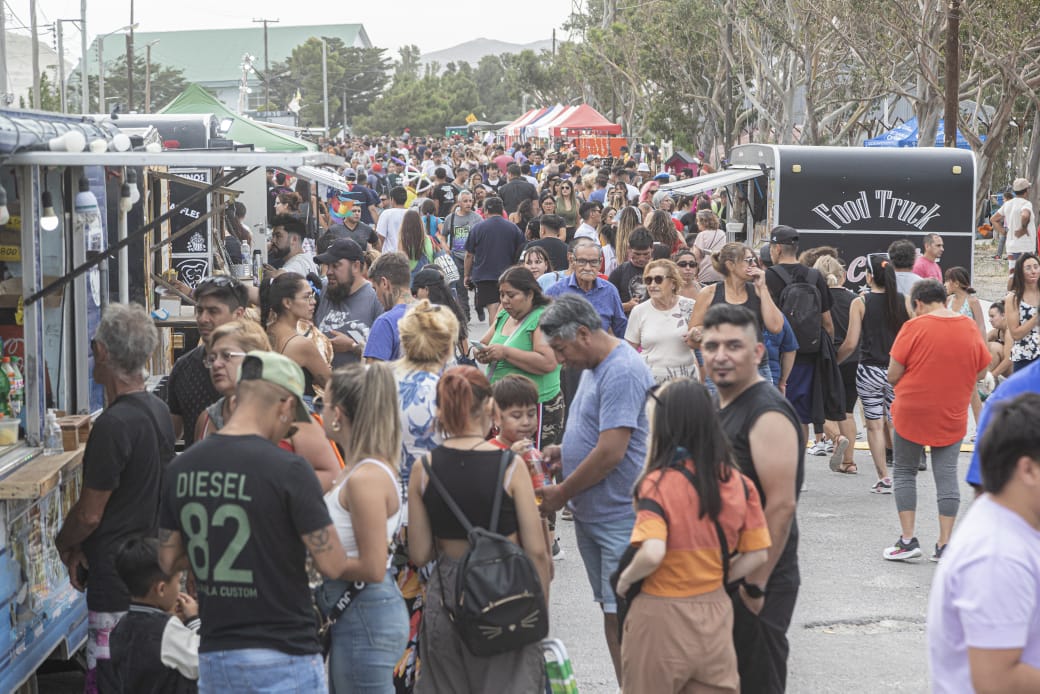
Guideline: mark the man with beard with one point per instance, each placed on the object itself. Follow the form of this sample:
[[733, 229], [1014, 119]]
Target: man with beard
[[349, 305], [285, 251]]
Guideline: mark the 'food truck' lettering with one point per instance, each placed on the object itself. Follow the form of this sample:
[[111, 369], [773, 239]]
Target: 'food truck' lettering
[[888, 207]]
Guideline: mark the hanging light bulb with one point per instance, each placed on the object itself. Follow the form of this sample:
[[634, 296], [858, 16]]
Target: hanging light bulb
[[5, 214], [126, 203], [72, 141], [98, 145], [48, 218], [120, 143], [131, 180]]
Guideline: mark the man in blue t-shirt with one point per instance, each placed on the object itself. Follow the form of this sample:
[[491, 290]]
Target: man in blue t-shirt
[[604, 444], [1025, 381], [392, 281]]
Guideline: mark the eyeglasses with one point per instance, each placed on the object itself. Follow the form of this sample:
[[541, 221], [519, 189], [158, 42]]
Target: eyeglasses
[[655, 279], [306, 297], [591, 262], [318, 404], [751, 260], [687, 263], [224, 356]]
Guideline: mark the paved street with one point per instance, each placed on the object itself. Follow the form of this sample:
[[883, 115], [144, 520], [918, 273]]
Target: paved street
[[859, 624]]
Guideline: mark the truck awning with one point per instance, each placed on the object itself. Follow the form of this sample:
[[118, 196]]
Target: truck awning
[[719, 179]]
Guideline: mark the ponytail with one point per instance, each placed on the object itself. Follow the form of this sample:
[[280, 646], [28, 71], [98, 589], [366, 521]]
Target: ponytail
[[461, 392], [884, 275]]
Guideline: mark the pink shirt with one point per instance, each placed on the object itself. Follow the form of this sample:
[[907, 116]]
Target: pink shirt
[[928, 269]]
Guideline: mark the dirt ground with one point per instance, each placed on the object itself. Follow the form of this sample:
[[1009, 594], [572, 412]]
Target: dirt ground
[[990, 276]]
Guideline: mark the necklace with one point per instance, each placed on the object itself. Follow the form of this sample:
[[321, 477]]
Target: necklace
[[480, 440]]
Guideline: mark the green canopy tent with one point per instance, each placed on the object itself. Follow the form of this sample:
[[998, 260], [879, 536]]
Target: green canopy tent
[[195, 99]]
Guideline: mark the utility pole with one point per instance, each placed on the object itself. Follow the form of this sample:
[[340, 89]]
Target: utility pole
[[84, 90], [130, 62], [3, 56], [952, 81], [61, 65], [35, 55], [267, 66]]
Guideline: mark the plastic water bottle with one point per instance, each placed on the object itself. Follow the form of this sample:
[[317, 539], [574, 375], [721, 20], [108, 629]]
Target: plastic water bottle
[[52, 442], [258, 268]]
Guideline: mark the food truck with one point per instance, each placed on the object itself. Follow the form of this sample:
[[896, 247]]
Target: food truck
[[857, 199], [154, 213]]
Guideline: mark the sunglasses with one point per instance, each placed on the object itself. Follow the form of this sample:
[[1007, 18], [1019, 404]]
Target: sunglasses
[[651, 393], [655, 279], [224, 356], [687, 263], [751, 260]]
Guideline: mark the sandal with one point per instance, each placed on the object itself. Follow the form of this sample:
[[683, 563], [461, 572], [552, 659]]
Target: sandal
[[847, 469], [836, 464]]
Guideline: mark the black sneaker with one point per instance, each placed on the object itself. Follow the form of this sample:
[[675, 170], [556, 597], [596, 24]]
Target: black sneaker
[[922, 465], [557, 551], [937, 554], [902, 551]]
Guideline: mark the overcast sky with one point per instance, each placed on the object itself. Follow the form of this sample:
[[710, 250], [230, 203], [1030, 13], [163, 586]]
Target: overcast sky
[[429, 24]]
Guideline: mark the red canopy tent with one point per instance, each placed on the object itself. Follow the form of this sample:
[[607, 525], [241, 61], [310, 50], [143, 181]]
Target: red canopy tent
[[581, 119]]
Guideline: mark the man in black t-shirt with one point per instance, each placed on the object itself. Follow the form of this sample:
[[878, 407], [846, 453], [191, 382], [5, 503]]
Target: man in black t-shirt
[[517, 190], [552, 230], [628, 276], [189, 390], [242, 513], [130, 444], [768, 447], [444, 192], [801, 390]]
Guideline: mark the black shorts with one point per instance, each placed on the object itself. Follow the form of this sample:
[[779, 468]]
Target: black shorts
[[487, 293], [848, 379]]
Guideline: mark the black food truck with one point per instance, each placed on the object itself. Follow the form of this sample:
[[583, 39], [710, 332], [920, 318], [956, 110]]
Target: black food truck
[[856, 199]]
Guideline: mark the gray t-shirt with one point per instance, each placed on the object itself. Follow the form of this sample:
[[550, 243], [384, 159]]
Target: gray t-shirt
[[456, 230], [610, 396], [353, 317], [905, 281]]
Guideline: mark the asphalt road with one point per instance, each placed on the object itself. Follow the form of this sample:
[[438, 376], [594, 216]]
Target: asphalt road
[[859, 622]]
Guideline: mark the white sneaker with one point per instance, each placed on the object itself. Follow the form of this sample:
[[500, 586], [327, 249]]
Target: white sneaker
[[819, 448]]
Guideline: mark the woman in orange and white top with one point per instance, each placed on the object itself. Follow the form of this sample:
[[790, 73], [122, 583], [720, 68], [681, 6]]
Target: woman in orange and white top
[[689, 496]]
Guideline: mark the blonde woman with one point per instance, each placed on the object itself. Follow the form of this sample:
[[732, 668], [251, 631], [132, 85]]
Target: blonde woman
[[366, 508], [627, 220]]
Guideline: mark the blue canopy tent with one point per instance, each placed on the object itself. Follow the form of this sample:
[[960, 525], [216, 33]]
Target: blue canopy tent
[[905, 135]]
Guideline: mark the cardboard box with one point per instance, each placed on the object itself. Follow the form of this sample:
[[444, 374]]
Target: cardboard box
[[75, 430]]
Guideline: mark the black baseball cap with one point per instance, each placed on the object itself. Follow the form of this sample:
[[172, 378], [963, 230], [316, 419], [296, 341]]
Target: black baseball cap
[[341, 249], [784, 234]]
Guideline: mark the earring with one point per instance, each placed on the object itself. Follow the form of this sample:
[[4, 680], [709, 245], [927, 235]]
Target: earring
[[336, 426], [283, 419]]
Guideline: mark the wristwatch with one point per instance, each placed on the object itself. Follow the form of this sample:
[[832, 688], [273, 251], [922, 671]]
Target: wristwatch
[[754, 591]]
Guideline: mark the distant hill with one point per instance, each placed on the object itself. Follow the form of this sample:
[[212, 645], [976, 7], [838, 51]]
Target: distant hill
[[472, 51]]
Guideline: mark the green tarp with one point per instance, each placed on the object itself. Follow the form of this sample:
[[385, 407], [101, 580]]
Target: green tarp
[[195, 99]]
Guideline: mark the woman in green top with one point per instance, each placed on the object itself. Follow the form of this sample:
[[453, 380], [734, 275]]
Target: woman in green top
[[414, 242], [567, 204], [516, 345]]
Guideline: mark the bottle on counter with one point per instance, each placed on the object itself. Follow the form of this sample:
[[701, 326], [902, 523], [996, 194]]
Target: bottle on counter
[[258, 268], [5, 394], [52, 441]]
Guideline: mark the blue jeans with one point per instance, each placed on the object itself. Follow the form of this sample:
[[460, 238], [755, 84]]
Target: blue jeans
[[601, 544], [368, 639], [260, 670]]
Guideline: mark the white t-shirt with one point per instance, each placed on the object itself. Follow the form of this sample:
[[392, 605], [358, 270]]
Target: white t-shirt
[[1012, 212], [659, 335], [586, 231], [388, 226], [301, 264]]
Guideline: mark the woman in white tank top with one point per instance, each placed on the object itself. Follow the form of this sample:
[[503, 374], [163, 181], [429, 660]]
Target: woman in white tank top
[[362, 416]]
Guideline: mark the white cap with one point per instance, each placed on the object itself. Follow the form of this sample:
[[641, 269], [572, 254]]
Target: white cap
[[643, 167]]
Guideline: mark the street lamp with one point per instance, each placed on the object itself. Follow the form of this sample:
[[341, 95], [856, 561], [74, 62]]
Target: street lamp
[[101, 62], [148, 75]]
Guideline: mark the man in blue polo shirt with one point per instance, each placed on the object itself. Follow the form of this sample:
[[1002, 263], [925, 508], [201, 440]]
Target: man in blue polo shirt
[[1025, 381], [586, 282]]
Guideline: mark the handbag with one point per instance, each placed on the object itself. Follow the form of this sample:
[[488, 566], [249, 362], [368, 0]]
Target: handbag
[[326, 620], [447, 265]]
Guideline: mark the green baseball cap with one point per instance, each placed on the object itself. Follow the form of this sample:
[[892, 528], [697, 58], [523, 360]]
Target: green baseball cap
[[277, 369]]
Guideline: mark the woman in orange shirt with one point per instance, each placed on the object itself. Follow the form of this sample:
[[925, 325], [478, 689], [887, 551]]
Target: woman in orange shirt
[[693, 507], [935, 362]]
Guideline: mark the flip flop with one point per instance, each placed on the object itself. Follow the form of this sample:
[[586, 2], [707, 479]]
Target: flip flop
[[840, 446]]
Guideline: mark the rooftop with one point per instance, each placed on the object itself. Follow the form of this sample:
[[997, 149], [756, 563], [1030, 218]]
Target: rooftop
[[215, 55]]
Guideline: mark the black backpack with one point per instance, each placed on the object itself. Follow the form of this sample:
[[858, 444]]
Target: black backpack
[[499, 605], [800, 301]]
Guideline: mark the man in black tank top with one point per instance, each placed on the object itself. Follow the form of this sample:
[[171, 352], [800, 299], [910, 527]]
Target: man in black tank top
[[768, 446]]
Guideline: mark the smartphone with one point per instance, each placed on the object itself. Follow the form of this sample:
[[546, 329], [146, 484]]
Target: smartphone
[[477, 346]]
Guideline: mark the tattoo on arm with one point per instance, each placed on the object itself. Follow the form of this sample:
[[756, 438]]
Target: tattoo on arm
[[318, 541]]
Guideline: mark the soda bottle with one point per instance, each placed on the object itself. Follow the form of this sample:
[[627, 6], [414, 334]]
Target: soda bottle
[[535, 466], [5, 393]]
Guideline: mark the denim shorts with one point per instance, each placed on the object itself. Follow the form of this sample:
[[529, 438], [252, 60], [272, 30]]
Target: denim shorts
[[368, 639], [601, 544], [260, 670]]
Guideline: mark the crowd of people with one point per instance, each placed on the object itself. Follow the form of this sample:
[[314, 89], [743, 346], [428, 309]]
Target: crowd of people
[[639, 376]]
